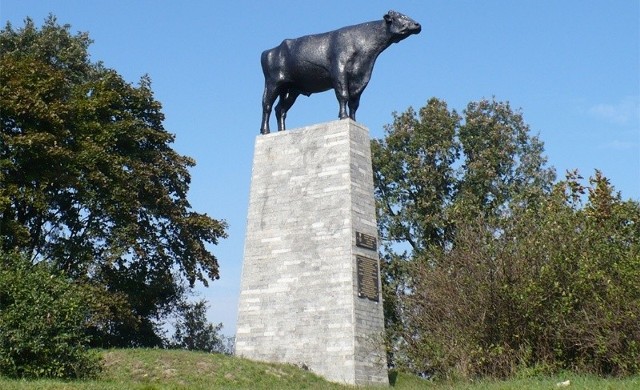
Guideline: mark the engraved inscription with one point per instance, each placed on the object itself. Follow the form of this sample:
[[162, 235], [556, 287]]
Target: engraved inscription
[[366, 241], [368, 278]]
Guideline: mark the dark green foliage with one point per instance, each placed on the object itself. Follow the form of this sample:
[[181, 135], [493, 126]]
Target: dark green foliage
[[503, 164], [89, 182], [194, 333], [43, 318], [414, 175], [557, 288], [503, 271]]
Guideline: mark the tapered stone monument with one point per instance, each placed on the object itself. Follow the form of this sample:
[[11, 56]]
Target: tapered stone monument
[[310, 292]]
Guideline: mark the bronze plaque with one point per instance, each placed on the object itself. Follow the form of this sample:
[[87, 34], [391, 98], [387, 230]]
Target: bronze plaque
[[368, 278], [366, 241]]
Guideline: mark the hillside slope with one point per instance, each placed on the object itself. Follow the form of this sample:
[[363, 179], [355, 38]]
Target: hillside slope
[[178, 369]]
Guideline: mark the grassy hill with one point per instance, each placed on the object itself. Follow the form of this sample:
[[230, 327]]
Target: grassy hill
[[150, 369], [178, 369]]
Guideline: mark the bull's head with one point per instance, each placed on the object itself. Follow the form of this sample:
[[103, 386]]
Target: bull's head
[[401, 26]]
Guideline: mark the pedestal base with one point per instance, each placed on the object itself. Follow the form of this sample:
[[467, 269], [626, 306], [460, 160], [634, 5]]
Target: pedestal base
[[310, 292]]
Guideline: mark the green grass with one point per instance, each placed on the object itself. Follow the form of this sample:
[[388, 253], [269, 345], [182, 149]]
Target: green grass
[[150, 369], [534, 383]]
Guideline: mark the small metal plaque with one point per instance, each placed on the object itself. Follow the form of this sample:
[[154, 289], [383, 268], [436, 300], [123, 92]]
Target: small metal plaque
[[366, 241], [368, 278]]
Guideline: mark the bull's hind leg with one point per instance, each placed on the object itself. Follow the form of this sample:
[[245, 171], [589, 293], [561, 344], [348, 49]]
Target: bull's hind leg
[[284, 104], [268, 98]]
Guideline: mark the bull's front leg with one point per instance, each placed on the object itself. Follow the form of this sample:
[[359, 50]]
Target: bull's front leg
[[356, 87], [354, 103]]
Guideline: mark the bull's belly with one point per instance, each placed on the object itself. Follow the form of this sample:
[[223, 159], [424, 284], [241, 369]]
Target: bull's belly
[[312, 80]]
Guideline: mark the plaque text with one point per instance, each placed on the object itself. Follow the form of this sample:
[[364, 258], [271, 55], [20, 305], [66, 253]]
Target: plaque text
[[366, 241], [368, 278]]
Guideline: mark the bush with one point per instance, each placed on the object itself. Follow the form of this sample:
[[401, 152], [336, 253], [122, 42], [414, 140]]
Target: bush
[[43, 318], [555, 286]]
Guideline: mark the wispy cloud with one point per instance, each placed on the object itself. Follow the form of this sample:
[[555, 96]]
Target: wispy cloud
[[626, 111], [621, 145]]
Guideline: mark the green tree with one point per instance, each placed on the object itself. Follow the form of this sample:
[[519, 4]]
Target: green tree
[[415, 176], [193, 332], [503, 164], [434, 163], [89, 182]]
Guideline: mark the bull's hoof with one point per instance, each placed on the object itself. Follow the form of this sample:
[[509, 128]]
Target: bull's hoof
[[264, 131]]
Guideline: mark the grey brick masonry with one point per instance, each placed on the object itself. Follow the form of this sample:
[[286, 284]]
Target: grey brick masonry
[[311, 190]]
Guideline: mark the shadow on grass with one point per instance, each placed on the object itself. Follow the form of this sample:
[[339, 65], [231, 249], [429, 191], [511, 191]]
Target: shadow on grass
[[393, 377]]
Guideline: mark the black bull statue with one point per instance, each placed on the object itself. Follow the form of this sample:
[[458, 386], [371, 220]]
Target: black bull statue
[[341, 60]]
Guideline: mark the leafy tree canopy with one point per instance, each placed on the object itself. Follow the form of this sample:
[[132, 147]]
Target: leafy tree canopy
[[89, 182], [434, 163]]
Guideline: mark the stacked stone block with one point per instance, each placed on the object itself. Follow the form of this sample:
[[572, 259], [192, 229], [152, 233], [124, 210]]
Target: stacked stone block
[[311, 191]]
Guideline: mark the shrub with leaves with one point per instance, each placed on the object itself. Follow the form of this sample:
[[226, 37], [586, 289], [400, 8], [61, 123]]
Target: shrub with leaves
[[555, 288], [43, 316]]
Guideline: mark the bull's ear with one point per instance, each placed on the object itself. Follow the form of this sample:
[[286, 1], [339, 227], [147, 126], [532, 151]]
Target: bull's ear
[[387, 17]]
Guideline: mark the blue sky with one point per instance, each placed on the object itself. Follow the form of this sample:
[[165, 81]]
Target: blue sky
[[572, 66]]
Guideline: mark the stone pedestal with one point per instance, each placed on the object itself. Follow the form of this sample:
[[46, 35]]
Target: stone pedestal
[[310, 292]]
